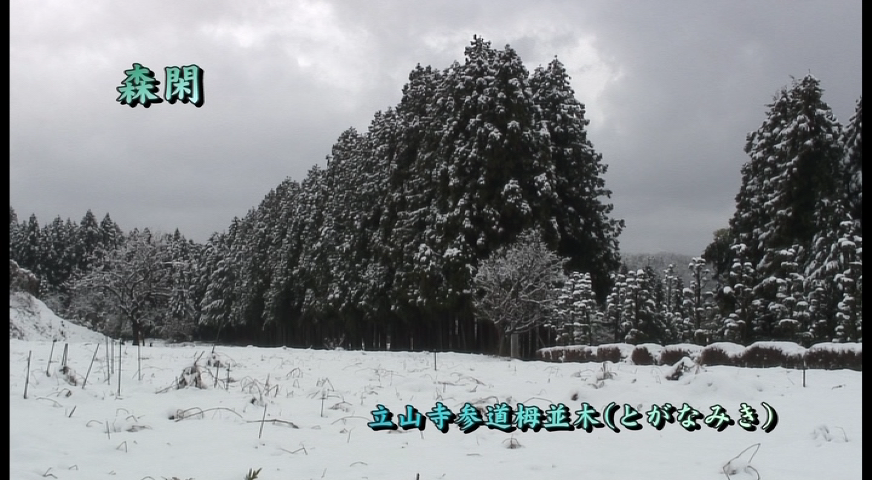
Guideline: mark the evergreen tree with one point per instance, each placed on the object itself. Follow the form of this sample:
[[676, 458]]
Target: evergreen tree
[[88, 242], [248, 240], [788, 312], [352, 243], [491, 149], [614, 306], [29, 248], [793, 159], [311, 270], [697, 304], [573, 181], [111, 235], [852, 164], [219, 294], [849, 319], [58, 257], [671, 308], [791, 177], [14, 232], [738, 294], [719, 254], [179, 321], [835, 282], [640, 322], [282, 255], [576, 320], [833, 257], [411, 205]]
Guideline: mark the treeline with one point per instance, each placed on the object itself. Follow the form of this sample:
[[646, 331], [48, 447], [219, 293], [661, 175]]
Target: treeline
[[121, 284], [383, 242], [383, 245], [788, 267]]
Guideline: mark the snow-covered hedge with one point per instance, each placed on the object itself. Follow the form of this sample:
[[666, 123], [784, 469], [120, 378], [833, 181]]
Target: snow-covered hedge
[[829, 356]]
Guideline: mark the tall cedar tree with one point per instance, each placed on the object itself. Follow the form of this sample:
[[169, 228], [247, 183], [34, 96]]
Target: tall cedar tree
[[792, 172], [588, 236], [852, 164]]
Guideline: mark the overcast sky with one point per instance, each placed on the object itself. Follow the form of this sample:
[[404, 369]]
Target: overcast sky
[[671, 89]]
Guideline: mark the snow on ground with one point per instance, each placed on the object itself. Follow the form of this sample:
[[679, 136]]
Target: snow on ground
[[317, 405], [30, 319]]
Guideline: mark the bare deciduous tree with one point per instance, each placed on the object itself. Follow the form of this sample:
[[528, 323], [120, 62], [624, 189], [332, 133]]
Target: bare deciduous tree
[[133, 281], [517, 286]]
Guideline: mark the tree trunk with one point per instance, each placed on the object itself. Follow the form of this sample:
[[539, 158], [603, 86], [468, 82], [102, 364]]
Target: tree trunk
[[137, 330], [515, 346]]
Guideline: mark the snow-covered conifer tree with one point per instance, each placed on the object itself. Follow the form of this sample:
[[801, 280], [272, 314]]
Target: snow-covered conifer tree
[[572, 178]]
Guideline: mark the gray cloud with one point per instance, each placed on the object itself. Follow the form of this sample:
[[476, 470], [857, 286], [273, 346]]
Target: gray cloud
[[671, 90]]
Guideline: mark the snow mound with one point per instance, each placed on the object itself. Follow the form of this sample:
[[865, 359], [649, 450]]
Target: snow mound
[[30, 319]]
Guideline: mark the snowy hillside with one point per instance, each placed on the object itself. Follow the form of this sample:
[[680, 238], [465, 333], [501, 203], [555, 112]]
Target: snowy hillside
[[308, 414], [30, 319]]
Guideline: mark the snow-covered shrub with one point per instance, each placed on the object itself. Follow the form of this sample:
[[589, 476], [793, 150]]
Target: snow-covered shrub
[[608, 354], [674, 353], [334, 343], [681, 367], [641, 356], [191, 377], [761, 355], [571, 353], [832, 356], [22, 279], [550, 354], [69, 375], [715, 355], [220, 360]]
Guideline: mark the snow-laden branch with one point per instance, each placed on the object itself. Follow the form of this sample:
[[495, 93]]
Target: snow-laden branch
[[517, 285]]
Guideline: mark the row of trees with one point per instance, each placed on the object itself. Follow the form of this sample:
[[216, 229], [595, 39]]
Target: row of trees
[[54, 251], [789, 267], [135, 283], [476, 209], [524, 286], [385, 241], [790, 263]]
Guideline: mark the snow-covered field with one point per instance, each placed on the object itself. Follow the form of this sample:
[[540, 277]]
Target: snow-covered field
[[317, 406]]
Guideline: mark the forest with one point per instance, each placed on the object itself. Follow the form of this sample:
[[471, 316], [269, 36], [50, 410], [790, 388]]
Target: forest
[[474, 209]]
